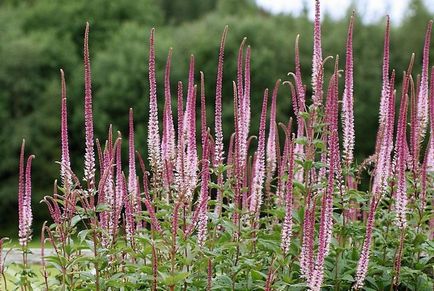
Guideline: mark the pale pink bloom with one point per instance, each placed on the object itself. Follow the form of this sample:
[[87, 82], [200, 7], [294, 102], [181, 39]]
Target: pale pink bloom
[[326, 220], [271, 154], [287, 222], [65, 164], [180, 175], [132, 176], [25, 198], [259, 167], [385, 86], [299, 106], [218, 151], [422, 100], [401, 192], [89, 156], [362, 266], [128, 200], [118, 193], [168, 147], [153, 130], [218, 103], [189, 125], [317, 56], [347, 100]]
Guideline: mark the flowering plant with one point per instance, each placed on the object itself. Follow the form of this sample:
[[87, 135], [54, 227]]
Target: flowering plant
[[284, 215]]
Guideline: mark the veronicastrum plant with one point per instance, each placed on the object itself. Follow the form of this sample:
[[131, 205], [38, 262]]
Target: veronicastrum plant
[[260, 213]]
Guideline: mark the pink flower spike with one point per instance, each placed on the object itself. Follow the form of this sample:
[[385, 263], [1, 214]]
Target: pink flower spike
[[300, 97], [287, 223], [385, 87], [65, 164], [218, 102], [21, 191], [204, 132], [362, 265], [168, 151], [317, 52], [422, 100], [272, 136], [132, 187], [27, 217], [401, 192], [430, 154], [347, 100], [259, 167], [153, 130], [246, 105], [89, 156]]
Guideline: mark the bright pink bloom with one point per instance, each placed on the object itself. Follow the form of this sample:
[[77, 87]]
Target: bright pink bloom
[[89, 156]]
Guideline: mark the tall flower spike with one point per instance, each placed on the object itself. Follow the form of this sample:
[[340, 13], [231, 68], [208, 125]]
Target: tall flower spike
[[430, 154], [132, 186], [401, 192], [153, 131], [118, 195], [89, 156], [422, 106], [168, 151], [246, 105], [347, 100], [21, 190], [258, 178], [218, 151], [180, 175], [362, 265], [218, 102], [287, 223], [65, 164], [385, 86], [317, 53], [326, 220], [204, 132], [191, 158], [271, 142]]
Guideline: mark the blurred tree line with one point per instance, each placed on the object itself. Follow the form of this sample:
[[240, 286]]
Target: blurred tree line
[[37, 38]]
